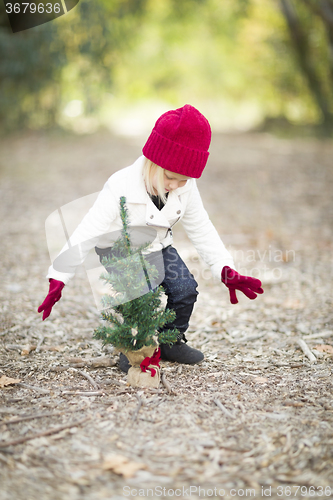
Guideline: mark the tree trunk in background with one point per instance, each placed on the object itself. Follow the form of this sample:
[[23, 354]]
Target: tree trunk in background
[[326, 13], [301, 44]]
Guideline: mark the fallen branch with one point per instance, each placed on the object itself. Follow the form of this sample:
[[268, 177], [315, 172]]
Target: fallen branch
[[26, 349], [166, 384], [248, 338], [91, 380], [223, 408], [59, 368], [323, 335], [41, 340], [83, 393], [110, 381], [101, 362], [318, 354], [13, 347], [306, 351], [33, 417], [55, 430], [33, 388], [234, 379]]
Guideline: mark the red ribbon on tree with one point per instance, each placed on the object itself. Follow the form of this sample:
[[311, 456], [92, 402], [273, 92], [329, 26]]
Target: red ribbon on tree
[[154, 360]]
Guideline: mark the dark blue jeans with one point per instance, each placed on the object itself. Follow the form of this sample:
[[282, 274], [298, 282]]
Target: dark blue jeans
[[180, 288], [178, 283]]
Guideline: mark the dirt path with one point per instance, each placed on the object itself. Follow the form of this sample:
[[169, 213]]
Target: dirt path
[[255, 418]]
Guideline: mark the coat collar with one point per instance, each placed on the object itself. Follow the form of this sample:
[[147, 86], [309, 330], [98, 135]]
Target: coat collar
[[136, 193]]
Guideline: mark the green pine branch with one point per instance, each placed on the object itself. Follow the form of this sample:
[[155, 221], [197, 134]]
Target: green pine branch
[[132, 322]]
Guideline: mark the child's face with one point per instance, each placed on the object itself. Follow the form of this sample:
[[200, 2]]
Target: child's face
[[172, 180]]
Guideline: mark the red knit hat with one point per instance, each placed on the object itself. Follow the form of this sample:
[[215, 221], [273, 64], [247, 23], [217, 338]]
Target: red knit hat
[[179, 142]]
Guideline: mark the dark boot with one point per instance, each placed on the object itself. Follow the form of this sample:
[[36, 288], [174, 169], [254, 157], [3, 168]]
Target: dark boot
[[124, 364], [181, 352]]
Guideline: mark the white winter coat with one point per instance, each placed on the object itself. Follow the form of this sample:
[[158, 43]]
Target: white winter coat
[[183, 204]]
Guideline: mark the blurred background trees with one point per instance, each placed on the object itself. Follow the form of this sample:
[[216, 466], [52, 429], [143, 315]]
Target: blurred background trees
[[243, 62]]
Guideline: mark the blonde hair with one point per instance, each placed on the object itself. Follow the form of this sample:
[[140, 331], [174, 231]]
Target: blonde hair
[[150, 170]]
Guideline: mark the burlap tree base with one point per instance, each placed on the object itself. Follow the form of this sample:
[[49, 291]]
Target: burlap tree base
[[143, 374]]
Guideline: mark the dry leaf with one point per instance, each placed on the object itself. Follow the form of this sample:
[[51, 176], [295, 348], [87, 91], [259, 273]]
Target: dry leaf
[[8, 381], [122, 465], [324, 348]]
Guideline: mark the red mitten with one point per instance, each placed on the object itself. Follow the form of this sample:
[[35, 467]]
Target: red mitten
[[52, 297], [235, 281]]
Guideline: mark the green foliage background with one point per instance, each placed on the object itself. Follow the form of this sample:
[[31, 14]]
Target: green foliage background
[[239, 53]]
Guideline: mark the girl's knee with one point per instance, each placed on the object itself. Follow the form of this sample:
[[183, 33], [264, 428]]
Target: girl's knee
[[189, 288]]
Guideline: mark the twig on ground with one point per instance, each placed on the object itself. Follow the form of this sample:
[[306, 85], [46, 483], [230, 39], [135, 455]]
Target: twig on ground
[[249, 338], [323, 335], [223, 408], [91, 380], [26, 349], [306, 351], [83, 393], [9, 410], [318, 354], [166, 384], [101, 362], [10, 330], [41, 340], [44, 433], [13, 347], [59, 368], [110, 381], [33, 417], [234, 379], [33, 388]]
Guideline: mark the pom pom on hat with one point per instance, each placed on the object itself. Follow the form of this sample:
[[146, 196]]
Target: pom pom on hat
[[179, 141]]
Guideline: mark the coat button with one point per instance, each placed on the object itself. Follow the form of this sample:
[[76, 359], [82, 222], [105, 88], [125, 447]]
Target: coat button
[[179, 211], [151, 216]]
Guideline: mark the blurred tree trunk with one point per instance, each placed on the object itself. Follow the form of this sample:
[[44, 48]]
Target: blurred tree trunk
[[324, 9], [299, 37]]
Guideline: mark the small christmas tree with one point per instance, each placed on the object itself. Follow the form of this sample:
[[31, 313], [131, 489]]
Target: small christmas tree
[[134, 323]]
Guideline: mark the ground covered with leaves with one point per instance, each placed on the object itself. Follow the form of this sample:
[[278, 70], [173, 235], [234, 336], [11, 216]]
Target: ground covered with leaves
[[254, 419]]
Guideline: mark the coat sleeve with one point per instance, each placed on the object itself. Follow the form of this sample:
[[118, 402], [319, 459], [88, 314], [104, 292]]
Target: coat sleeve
[[203, 234], [91, 229]]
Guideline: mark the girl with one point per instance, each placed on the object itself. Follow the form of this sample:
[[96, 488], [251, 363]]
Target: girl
[[160, 190]]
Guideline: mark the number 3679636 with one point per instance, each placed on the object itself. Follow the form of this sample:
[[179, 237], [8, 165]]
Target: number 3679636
[[32, 8]]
